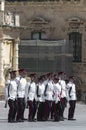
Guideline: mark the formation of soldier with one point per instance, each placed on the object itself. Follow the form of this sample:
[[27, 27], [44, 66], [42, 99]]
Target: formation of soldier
[[45, 97]]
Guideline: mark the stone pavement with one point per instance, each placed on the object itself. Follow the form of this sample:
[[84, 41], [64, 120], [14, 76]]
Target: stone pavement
[[79, 124]]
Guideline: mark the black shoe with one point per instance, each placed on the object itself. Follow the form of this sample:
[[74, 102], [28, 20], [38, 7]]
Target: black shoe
[[61, 119], [43, 119], [72, 119], [39, 120], [33, 120], [20, 120], [24, 119], [64, 118], [56, 120], [30, 120], [11, 121]]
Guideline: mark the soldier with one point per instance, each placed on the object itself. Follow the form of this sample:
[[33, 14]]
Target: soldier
[[26, 90], [11, 95], [63, 93], [48, 96], [31, 89], [21, 86], [57, 100], [41, 100], [72, 98]]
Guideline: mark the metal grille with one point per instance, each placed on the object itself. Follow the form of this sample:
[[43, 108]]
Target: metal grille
[[45, 56]]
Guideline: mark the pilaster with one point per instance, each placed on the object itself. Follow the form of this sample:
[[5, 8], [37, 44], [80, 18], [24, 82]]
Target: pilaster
[[1, 65], [15, 61]]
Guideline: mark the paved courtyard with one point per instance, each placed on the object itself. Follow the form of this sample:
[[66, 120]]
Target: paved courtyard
[[79, 124]]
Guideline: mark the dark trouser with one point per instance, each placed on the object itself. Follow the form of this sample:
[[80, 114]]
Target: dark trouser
[[12, 110], [31, 108], [20, 108], [57, 111], [72, 104], [41, 110], [63, 105], [47, 109], [52, 110], [35, 106]]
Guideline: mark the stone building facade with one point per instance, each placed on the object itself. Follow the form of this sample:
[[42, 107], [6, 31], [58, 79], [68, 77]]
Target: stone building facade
[[46, 20], [9, 41]]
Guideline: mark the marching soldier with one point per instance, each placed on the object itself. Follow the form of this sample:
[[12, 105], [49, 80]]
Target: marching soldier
[[41, 100], [63, 92], [26, 90], [48, 96], [21, 86], [31, 89], [72, 98], [57, 100], [11, 94]]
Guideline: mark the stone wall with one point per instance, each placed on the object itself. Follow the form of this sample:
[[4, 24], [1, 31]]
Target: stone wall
[[54, 18]]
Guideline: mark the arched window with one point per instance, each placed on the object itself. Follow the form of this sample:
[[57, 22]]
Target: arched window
[[76, 39], [38, 35]]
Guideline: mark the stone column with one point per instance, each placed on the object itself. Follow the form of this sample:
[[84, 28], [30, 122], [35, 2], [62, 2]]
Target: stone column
[[2, 5], [15, 57], [1, 66]]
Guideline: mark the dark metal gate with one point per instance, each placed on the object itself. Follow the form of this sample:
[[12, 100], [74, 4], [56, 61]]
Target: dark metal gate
[[45, 56]]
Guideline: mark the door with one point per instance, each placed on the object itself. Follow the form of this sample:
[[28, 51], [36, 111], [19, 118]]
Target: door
[[76, 38]]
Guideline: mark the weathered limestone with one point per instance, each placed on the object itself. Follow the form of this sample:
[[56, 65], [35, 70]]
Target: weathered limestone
[[9, 40], [57, 18], [15, 61]]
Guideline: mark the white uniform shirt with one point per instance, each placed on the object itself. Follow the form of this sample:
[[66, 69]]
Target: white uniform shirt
[[49, 91], [21, 87], [45, 82], [11, 89], [31, 91], [72, 92], [41, 89], [63, 87], [57, 92]]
